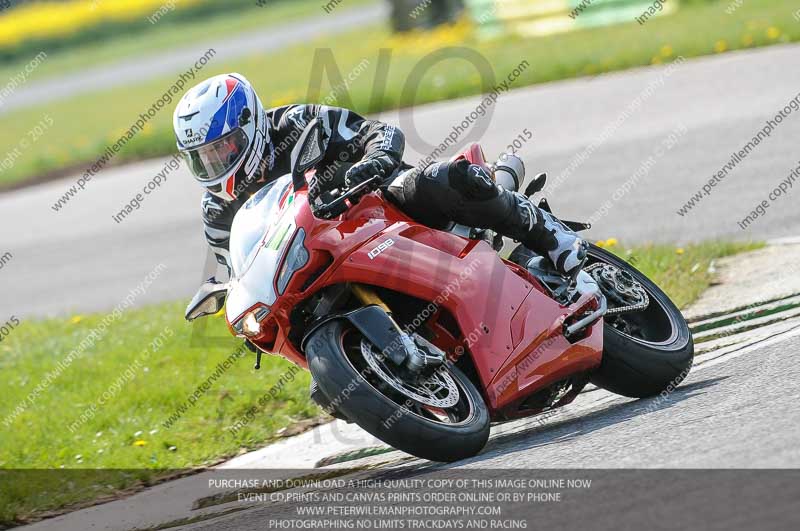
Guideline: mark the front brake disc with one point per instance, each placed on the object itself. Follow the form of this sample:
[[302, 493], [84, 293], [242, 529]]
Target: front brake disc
[[428, 392]]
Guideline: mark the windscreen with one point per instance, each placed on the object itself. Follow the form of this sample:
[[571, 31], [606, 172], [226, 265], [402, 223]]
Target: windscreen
[[259, 218]]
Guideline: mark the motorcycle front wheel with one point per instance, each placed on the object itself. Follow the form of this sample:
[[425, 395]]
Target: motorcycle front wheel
[[442, 418]]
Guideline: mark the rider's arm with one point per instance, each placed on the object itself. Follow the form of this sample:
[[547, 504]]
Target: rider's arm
[[217, 219], [380, 141], [372, 147], [351, 138]]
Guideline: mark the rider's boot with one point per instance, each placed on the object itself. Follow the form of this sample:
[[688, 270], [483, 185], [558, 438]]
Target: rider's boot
[[535, 228], [544, 234]]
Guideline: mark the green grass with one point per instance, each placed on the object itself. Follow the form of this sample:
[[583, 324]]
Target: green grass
[[170, 32], [283, 77], [126, 438], [127, 431], [682, 272]]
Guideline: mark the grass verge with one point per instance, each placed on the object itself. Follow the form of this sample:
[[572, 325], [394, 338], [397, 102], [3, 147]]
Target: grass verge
[[111, 416], [173, 30], [283, 77], [684, 273], [127, 404]]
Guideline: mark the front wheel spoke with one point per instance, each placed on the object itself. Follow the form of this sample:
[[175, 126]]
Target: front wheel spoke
[[441, 416], [435, 413], [421, 411]]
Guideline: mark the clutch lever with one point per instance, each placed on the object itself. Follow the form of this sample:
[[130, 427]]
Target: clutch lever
[[339, 205]]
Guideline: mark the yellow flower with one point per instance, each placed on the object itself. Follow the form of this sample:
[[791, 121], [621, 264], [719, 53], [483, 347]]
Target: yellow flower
[[42, 20], [75, 319], [679, 250], [611, 242], [773, 32], [666, 50], [417, 41], [720, 46], [140, 443], [600, 243]]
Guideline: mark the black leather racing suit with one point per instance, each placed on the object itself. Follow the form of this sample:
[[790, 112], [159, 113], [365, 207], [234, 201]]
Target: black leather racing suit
[[351, 139], [439, 194]]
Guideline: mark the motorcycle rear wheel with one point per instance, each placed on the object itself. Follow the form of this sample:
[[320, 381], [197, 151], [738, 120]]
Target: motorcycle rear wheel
[[645, 352], [652, 351], [336, 361]]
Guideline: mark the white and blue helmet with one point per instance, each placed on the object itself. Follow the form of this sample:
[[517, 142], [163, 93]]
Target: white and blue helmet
[[222, 133]]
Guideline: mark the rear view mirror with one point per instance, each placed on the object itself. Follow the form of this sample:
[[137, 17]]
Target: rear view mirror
[[307, 152], [208, 300]]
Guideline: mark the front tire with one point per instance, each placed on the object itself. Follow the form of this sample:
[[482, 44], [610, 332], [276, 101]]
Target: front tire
[[332, 360], [654, 359]]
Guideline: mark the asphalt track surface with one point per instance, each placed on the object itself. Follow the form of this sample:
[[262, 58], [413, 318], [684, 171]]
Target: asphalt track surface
[[719, 452], [79, 259], [734, 413]]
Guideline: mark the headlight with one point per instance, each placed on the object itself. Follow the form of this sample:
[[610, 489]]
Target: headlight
[[250, 324], [296, 259]]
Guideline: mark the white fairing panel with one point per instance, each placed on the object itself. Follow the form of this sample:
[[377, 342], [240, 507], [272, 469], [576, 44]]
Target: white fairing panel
[[260, 233]]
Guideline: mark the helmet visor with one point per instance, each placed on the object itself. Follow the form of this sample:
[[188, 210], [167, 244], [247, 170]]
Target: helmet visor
[[213, 160]]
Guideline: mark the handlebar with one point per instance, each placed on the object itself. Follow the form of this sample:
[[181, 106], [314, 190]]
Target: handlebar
[[339, 205]]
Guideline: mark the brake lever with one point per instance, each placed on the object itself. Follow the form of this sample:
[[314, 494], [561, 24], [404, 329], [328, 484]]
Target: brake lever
[[339, 205], [370, 185]]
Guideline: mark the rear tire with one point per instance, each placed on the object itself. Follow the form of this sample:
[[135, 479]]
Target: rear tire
[[384, 418], [635, 367]]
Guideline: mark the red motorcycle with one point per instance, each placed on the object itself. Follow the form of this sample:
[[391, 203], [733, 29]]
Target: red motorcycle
[[424, 337]]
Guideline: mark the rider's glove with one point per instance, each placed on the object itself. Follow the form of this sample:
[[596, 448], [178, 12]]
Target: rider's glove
[[367, 169]]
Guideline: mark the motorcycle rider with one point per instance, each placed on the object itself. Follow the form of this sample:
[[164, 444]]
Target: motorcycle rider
[[233, 147]]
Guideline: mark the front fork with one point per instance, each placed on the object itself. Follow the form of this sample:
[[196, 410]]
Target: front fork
[[368, 296], [412, 356]]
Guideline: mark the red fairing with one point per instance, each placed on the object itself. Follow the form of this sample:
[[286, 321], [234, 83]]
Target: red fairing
[[508, 325], [330, 242]]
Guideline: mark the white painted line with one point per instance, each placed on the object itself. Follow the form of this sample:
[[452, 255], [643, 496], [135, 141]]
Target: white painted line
[[788, 240], [702, 362], [716, 360]]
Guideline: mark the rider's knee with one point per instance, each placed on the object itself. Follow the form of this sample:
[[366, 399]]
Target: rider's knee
[[473, 182]]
